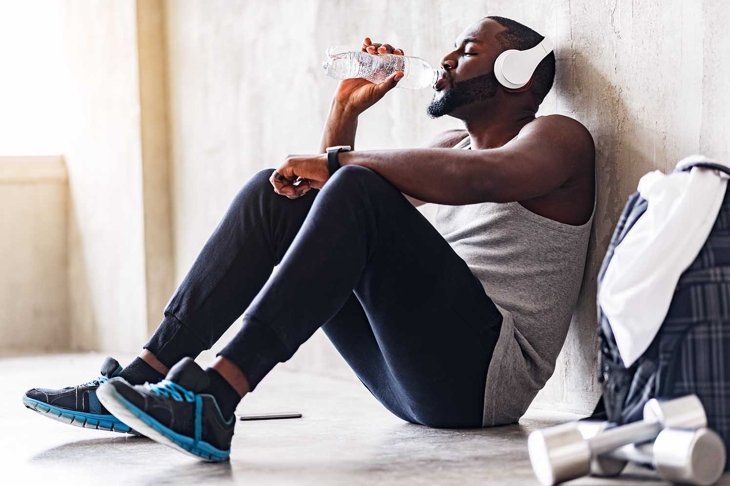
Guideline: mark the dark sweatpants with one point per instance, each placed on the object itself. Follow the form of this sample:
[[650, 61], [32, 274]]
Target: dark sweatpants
[[357, 259]]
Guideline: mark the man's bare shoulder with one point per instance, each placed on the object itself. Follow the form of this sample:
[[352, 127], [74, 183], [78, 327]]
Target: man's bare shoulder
[[563, 146], [565, 134], [562, 122], [448, 139]]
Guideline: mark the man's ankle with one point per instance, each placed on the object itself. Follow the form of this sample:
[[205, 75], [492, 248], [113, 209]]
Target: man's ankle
[[225, 395], [153, 362], [139, 371], [232, 374]]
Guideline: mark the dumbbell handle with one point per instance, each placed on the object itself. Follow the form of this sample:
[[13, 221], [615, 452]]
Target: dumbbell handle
[[635, 432], [637, 453]]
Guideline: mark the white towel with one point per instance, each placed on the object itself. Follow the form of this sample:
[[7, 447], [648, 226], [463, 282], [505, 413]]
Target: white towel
[[640, 280]]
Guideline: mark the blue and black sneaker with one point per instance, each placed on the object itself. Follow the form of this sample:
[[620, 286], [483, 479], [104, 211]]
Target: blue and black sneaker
[[174, 412], [78, 405]]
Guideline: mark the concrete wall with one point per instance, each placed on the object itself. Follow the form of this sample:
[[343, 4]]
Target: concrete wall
[[156, 171], [647, 78], [104, 158], [34, 249]]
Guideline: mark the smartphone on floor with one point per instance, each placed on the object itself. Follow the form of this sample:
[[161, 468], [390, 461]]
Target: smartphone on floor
[[270, 416]]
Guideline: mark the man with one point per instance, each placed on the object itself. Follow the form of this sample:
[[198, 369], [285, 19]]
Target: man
[[454, 326]]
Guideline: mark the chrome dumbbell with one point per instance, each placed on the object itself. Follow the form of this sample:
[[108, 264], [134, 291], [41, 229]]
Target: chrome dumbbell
[[678, 455], [562, 453]]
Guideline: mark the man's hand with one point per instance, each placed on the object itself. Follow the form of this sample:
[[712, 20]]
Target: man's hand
[[353, 96], [299, 174], [358, 94]]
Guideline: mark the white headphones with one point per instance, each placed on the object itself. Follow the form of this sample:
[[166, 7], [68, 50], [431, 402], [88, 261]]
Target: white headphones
[[513, 69]]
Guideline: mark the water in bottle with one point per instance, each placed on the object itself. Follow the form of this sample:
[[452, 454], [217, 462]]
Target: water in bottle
[[345, 64]]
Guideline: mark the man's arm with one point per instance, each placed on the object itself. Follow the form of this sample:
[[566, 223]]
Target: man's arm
[[549, 153], [340, 128], [545, 155], [445, 139]]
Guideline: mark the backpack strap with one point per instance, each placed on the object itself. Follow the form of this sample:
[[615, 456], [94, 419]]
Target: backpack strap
[[687, 164]]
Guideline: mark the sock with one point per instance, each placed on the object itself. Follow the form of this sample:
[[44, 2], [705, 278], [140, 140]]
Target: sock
[[224, 394], [138, 372]]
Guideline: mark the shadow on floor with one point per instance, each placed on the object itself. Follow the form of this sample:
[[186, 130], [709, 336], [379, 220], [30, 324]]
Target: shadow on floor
[[134, 452]]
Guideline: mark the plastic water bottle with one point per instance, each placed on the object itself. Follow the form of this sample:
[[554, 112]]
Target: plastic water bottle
[[345, 64]]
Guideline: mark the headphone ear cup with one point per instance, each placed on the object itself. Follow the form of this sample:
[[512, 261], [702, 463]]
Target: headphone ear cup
[[513, 68], [499, 69]]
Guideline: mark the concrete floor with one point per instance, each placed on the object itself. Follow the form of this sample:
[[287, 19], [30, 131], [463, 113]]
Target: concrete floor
[[345, 437]]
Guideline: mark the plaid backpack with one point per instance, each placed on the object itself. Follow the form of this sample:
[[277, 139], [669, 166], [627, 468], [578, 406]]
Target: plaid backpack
[[691, 351]]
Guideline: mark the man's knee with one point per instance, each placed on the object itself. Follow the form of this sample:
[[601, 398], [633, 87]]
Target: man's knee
[[261, 179], [356, 177], [354, 173], [256, 186]]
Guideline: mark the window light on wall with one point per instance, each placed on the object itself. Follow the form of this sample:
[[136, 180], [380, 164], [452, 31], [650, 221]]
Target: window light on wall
[[32, 77]]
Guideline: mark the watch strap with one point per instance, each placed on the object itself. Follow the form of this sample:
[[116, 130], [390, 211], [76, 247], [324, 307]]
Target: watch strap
[[333, 162]]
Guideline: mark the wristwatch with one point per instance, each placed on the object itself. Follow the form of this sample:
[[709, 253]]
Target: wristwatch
[[333, 155]]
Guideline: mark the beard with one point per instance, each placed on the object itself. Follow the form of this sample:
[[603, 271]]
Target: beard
[[480, 88]]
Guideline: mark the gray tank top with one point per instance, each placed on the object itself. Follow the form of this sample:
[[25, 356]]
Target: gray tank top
[[532, 268]]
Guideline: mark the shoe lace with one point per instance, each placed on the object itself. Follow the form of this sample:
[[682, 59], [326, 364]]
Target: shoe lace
[[99, 380], [167, 388]]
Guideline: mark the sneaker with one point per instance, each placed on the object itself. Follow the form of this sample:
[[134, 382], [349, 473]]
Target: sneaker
[[174, 412], [78, 405]]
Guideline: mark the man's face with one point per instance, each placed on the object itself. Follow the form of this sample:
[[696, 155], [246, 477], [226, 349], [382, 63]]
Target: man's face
[[468, 71]]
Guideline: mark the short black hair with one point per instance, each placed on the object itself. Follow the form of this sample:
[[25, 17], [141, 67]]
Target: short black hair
[[521, 37]]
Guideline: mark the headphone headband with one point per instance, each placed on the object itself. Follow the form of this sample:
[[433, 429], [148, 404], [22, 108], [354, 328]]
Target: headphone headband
[[514, 68]]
